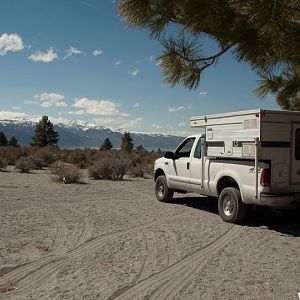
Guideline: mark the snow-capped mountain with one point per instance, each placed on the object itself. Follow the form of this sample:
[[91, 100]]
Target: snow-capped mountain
[[79, 134]]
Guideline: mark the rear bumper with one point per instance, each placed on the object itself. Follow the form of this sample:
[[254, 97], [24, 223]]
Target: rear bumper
[[281, 200]]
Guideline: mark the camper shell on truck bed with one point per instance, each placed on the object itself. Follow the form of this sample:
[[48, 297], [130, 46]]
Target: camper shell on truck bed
[[265, 135]]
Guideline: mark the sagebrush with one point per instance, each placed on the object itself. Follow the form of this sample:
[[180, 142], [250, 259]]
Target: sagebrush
[[66, 173]]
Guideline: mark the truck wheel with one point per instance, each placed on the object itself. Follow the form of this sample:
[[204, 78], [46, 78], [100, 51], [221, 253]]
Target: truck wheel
[[230, 206], [162, 191]]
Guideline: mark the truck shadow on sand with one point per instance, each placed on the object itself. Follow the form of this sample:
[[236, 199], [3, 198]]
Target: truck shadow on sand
[[283, 221]]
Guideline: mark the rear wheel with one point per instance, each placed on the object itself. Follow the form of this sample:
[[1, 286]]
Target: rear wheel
[[230, 206], [162, 191]]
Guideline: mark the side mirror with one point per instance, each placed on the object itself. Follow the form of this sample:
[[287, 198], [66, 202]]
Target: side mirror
[[169, 155]]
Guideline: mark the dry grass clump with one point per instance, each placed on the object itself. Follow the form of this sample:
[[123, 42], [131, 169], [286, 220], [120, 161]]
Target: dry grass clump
[[109, 169], [24, 165], [66, 173]]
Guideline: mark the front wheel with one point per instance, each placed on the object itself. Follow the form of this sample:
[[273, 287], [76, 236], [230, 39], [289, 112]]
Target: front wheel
[[162, 191], [230, 206]]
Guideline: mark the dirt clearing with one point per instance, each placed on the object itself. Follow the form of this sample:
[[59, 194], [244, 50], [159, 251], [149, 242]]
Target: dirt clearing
[[114, 240]]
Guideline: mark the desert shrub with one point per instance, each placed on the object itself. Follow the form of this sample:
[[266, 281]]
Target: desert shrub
[[141, 163], [103, 155], [110, 169], [24, 164], [11, 154], [38, 162], [135, 160], [66, 173], [78, 157], [3, 163], [136, 171], [47, 155]]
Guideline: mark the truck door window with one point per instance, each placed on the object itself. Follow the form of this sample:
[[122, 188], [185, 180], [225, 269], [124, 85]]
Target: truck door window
[[297, 144], [197, 153], [185, 149]]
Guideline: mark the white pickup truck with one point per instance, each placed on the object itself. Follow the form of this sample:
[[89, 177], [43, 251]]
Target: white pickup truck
[[245, 158]]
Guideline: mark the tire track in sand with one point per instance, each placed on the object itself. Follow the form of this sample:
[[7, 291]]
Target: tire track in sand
[[56, 253], [61, 235], [36, 274], [86, 233], [149, 258], [169, 282]]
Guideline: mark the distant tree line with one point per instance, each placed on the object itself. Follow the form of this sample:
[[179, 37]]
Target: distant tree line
[[127, 144], [46, 135], [5, 142]]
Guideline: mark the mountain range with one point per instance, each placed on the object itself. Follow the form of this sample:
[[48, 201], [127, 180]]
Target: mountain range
[[80, 134]]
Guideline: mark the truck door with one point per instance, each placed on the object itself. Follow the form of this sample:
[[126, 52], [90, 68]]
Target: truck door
[[179, 167], [295, 153], [196, 169]]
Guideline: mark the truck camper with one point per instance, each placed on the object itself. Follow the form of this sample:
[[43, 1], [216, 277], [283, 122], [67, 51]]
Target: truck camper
[[244, 158]]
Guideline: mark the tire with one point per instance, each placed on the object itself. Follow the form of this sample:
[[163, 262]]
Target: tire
[[162, 191], [230, 206]]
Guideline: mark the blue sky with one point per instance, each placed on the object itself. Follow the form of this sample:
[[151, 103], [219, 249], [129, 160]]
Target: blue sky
[[75, 60]]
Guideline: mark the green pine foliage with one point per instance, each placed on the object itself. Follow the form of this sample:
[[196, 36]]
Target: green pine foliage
[[107, 145], [3, 139], [140, 148], [263, 33], [44, 134], [127, 142], [13, 142]]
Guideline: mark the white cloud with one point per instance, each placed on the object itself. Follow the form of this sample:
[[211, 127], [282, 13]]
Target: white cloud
[[11, 115], [181, 124], [156, 126], [77, 112], [16, 107], [98, 107], [10, 42], [151, 58], [30, 102], [136, 104], [46, 57], [132, 123], [118, 62], [51, 99], [204, 93], [175, 109], [119, 122], [97, 52], [134, 72], [72, 51]]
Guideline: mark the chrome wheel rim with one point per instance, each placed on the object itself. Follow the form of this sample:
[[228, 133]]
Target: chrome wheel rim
[[228, 206], [161, 190]]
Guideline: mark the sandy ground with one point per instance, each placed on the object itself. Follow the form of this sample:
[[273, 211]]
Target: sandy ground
[[114, 240]]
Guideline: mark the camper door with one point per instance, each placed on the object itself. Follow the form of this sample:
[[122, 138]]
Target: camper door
[[295, 151]]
